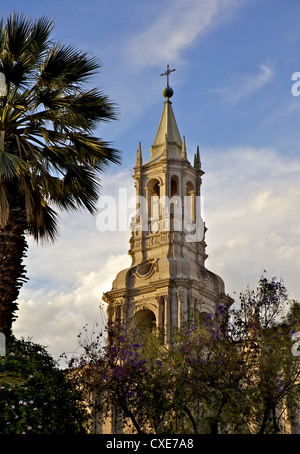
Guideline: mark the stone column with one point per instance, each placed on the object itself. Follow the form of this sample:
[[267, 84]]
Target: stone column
[[182, 306], [167, 321], [160, 311]]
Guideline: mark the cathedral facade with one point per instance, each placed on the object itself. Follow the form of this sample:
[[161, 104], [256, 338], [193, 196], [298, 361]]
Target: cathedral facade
[[167, 284]]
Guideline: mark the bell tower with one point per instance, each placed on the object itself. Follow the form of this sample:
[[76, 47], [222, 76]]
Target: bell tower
[[167, 283]]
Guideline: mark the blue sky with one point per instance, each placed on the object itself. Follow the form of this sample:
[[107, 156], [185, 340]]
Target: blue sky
[[234, 62]]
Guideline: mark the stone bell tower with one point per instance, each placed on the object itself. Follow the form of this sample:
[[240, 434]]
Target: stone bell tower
[[167, 283]]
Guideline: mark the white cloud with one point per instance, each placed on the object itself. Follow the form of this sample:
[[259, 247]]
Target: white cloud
[[251, 210], [244, 85], [178, 24], [161, 34], [55, 319]]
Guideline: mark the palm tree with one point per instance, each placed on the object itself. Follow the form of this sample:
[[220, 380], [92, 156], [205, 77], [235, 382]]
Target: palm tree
[[49, 158]]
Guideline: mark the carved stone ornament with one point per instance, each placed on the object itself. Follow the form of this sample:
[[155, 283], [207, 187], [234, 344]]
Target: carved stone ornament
[[146, 269]]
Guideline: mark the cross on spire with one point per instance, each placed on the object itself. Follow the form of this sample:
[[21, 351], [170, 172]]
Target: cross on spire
[[167, 73]]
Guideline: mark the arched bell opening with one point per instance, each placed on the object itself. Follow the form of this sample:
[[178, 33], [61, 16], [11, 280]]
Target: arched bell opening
[[174, 186], [153, 197], [175, 203], [190, 201], [145, 320]]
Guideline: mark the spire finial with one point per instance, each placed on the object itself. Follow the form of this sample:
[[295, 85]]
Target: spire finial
[[167, 73], [139, 159], [198, 158], [168, 91], [183, 150]]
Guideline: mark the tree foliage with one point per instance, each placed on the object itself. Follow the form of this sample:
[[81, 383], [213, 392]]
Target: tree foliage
[[36, 397]]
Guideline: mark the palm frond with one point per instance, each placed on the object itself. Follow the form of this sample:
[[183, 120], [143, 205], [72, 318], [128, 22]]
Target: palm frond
[[65, 67], [18, 30], [40, 36], [44, 226], [80, 187], [10, 165], [23, 45]]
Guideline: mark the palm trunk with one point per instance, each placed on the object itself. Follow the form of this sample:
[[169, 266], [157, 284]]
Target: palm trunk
[[13, 247]]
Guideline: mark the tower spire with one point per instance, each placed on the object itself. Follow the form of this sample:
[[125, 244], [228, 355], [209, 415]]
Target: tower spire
[[139, 159], [167, 130], [197, 162], [198, 158]]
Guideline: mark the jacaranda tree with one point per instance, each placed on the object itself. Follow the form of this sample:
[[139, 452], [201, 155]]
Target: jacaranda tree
[[233, 371], [50, 157]]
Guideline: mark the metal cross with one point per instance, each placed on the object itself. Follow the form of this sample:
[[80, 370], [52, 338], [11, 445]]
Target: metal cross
[[169, 71]]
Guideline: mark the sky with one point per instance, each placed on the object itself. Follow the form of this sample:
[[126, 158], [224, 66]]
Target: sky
[[235, 95]]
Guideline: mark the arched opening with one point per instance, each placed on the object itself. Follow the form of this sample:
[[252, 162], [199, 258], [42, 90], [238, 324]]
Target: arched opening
[[145, 320], [153, 198], [200, 317], [155, 201], [190, 201], [174, 186], [175, 204], [118, 314]]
